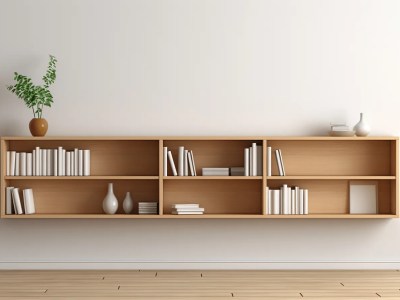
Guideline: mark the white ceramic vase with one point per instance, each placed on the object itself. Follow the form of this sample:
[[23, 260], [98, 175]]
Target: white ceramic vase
[[362, 128], [110, 202], [128, 203]]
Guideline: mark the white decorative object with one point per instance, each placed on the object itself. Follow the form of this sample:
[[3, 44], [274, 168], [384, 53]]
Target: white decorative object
[[363, 197], [128, 203], [29, 202], [110, 202], [362, 128]]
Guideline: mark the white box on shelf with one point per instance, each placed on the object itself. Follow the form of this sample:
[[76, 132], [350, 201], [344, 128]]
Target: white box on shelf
[[363, 197]]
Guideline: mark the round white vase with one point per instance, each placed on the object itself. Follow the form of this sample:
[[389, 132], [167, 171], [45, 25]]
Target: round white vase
[[110, 202], [128, 203], [362, 128]]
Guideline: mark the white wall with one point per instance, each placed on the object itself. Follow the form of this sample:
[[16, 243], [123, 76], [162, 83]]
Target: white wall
[[203, 67]]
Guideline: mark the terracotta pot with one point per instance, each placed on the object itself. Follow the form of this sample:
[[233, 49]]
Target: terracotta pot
[[38, 126]]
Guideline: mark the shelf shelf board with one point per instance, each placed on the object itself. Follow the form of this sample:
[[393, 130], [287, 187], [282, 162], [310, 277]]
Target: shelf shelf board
[[212, 177], [81, 177], [332, 177], [205, 216]]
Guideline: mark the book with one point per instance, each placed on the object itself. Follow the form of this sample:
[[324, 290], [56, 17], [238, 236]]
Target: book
[[282, 164], [9, 200], [72, 166], [68, 164], [181, 155], [305, 200], [86, 162], [17, 161], [293, 198], [194, 164], [64, 157], [186, 212], [297, 195], [276, 201], [236, 171], [80, 162], [268, 201], [60, 161], [185, 164], [250, 161], [301, 202], [284, 200], [55, 162], [29, 202], [37, 162], [76, 162], [48, 163], [17, 201], [185, 205], [29, 164], [215, 171], [22, 164], [165, 161], [44, 162], [8, 161], [13, 155], [269, 161], [190, 164], [172, 164], [254, 159], [289, 200], [259, 160], [189, 209], [246, 162], [278, 162]]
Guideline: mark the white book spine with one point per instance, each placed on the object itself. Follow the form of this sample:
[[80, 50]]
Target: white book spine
[[13, 158], [44, 162], [269, 201], [29, 165], [17, 162], [9, 204], [259, 160], [305, 200], [297, 192], [34, 163], [29, 202], [285, 206], [48, 163], [86, 162], [282, 164], [72, 164], [37, 161], [80, 163], [22, 165], [64, 158], [254, 157], [181, 154], [293, 197], [172, 164], [246, 162], [250, 161], [190, 164], [76, 156], [269, 161], [59, 161], [185, 164], [17, 201], [278, 162], [165, 161], [68, 164], [276, 202], [301, 201], [8, 163], [55, 162], [289, 200]]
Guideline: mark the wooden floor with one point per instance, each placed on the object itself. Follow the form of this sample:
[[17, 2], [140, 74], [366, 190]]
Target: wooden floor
[[198, 285]]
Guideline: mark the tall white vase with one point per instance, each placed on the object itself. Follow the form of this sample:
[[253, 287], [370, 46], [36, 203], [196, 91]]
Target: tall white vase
[[128, 203], [110, 202], [362, 128]]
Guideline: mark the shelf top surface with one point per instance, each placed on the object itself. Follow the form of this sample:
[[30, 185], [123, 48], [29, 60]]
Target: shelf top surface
[[172, 138]]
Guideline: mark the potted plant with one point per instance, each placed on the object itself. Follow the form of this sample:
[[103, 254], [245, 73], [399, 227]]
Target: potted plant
[[36, 96]]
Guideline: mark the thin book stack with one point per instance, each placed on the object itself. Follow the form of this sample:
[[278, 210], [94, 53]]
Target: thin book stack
[[187, 209], [148, 208], [278, 159], [287, 201], [186, 164], [48, 162], [253, 160], [14, 205]]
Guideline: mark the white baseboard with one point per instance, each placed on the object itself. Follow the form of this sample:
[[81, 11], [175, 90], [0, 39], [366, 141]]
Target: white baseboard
[[202, 265]]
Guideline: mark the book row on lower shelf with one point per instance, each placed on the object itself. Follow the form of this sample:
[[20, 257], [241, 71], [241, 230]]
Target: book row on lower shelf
[[48, 162], [14, 205], [287, 201]]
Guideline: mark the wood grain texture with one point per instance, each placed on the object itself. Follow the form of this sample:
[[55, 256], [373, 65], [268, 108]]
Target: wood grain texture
[[199, 285]]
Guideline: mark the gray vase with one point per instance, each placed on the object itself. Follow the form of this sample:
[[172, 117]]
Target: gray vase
[[110, 202], [127, 205]]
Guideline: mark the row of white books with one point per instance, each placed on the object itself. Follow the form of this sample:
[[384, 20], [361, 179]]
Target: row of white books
[[186, 164], [279, 161], [287, 201], [148, 208], [253, 160], [48, 162], [14, 205], [187, 209]]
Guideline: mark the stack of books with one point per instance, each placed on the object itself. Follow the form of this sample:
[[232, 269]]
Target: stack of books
[[186, 164], [14, 205], [215, 171], [48, 162], [279, 161], [340, 130], [148, 208], [287, 201], [253, 160], [187, 209]]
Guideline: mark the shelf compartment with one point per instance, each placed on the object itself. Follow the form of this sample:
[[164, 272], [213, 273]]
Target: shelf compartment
[[336, 157], [332, 196], [211, 153], [108, 158], [217, 197], [65, 197]]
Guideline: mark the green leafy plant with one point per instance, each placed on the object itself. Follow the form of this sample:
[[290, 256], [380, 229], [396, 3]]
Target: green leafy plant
[[35, 96]]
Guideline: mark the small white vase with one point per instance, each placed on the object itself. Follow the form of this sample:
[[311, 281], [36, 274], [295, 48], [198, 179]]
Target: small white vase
[[362, 128], [128, 203], [110, 202]]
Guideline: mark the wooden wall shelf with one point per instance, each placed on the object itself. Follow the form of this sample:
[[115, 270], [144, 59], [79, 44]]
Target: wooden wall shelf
[[324, 165]]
